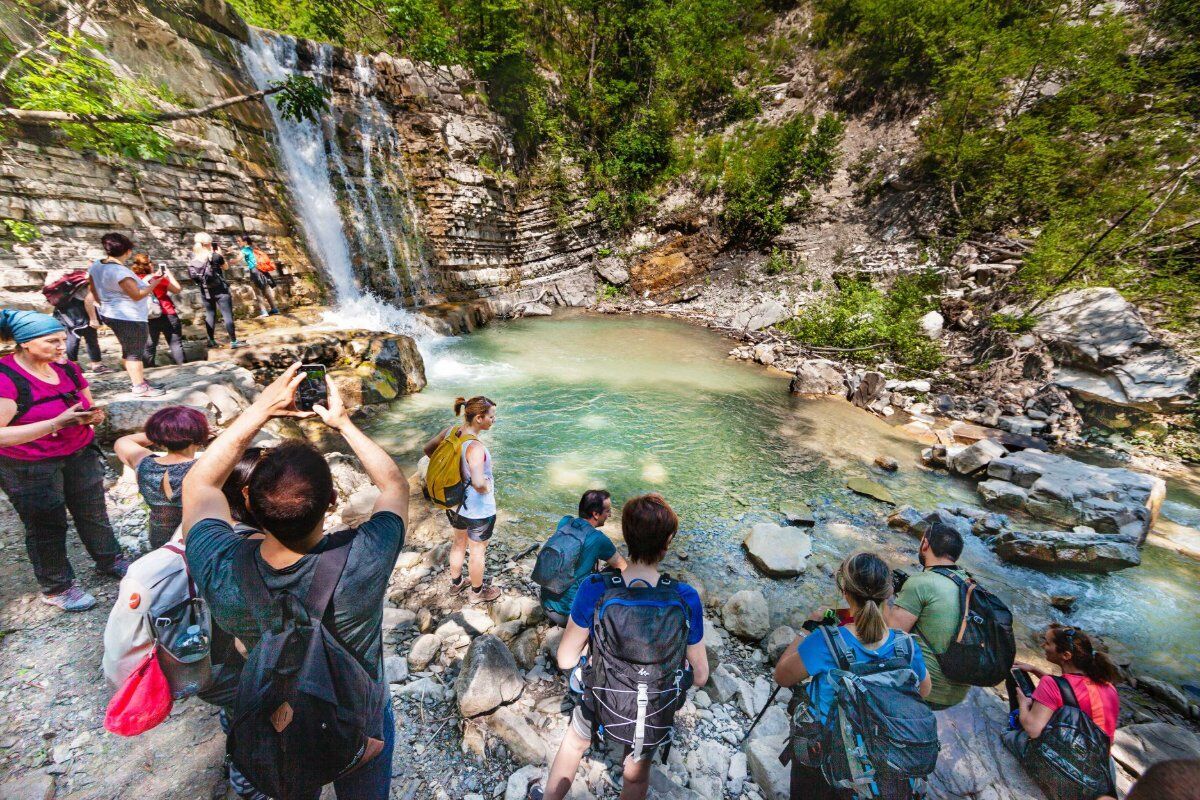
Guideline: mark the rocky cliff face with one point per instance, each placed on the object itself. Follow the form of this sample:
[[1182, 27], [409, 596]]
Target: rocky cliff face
[[415, 159]]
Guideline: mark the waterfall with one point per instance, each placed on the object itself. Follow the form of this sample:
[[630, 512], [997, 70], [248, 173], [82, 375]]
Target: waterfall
[[306, 153]]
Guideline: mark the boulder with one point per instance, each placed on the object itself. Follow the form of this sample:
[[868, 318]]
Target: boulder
[[818, 377], [976, 457], [778, 641], [533, 310], [762, 758], [778, 551], [1137, 747], [797, 512], [707, 766], [395, 668], [746, 615], [1085, 552], [887, 463], [1106, 353], [488, 678], [424, 649], [762, 314], [931, 324], [722, 685], [870, 489], [866, 389], [907, 519], [525, 648], [613, 270]]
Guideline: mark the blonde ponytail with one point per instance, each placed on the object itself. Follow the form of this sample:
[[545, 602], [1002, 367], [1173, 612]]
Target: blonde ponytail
[[868, 581]]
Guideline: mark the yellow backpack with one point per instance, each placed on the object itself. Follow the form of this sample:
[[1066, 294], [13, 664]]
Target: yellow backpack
[[444, 482]]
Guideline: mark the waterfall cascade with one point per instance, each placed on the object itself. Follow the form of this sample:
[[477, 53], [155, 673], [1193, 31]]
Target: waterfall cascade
[[308, 151]]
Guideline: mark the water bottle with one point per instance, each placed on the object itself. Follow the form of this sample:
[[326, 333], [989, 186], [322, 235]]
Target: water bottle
[[575, 679], [191, 644]]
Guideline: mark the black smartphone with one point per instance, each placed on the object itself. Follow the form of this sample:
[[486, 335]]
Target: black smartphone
[[312, 390], [1024, 682]]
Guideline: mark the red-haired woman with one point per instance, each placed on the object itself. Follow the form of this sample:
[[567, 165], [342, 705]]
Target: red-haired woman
[[181, 431], [475, 521]]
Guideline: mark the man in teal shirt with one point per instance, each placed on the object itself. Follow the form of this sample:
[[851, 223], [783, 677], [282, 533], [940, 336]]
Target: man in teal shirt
[[595, 507]]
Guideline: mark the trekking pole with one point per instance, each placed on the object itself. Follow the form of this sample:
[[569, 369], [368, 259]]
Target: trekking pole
[[770, 700]]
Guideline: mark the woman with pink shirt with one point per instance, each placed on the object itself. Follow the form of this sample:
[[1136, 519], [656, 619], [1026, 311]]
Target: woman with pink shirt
[[1087, 683], [48, 462]]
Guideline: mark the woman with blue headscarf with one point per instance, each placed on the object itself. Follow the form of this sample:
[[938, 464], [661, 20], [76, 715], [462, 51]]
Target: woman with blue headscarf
[[49, 463]]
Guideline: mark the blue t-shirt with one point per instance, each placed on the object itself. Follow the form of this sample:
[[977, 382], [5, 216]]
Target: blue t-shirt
[[583, 610], [596, 547], [818, 661]]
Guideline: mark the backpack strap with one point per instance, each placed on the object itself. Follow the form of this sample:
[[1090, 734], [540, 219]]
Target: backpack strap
[[177, 550], [254, 588], [841, 654], [965, 589], [24, 391], [25, 401], [330, 565], [1066, 690]]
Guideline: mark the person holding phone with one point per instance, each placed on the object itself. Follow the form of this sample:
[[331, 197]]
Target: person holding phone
[[49, 463], [163, 315]]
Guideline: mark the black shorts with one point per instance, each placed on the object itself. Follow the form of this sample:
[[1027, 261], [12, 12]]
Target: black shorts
[[478, 530], [261, 279], [132, 336]]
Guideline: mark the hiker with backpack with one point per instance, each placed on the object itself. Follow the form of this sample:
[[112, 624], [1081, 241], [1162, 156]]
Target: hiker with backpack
[[74, 306], [163, 316], [1063, 729], [181, 431], [965, 633], [260, 266], [573, 552], [207, 269], [459, 480], [124, 304], [642, 631], [49, 463], [312, 705], [862, 728]]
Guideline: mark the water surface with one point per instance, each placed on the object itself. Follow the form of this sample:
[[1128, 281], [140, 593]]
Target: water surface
[[636, 404]]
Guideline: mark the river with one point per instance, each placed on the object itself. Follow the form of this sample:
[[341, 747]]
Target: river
[[636, 404]]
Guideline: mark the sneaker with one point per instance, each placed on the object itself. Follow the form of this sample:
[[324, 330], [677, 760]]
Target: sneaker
[[263, 315], [485, 595], [146, 390], [534, 792], [274, 312], [117, 569], [73, 599], [235, 344], [457, 588], [100, 369], [212, 344]]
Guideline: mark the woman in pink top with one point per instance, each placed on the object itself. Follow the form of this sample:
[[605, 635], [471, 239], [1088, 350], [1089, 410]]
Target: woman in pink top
[[1091, 676], [48, 463]]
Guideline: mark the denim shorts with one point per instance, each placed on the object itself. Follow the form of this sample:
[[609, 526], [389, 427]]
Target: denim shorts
[[478, 530]]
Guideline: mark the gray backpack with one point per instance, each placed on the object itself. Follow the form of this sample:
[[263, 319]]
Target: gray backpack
[[559, 558]]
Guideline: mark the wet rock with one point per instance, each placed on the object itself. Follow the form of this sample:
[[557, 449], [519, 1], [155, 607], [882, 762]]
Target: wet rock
[[778, 640], [1106, 353], [746, 615], [818, 377], [1165, 693], [887, 463], [907, 519], [424, 650], [797, 512], [778, 551], [1137, 747], [870, 489], [1063, 602], [976, 457], [488, 678], [1086, 552]]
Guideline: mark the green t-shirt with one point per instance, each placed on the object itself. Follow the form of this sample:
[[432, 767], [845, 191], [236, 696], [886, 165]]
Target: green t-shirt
[[933, 599]]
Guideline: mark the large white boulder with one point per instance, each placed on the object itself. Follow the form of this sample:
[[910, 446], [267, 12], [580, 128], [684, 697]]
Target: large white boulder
[[778, 551]]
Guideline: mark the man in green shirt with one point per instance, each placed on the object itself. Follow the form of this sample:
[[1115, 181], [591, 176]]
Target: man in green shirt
[[595, 507], [929, 605]]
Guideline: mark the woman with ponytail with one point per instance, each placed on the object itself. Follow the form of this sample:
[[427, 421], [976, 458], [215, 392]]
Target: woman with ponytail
[[865, 583], [474, 521]]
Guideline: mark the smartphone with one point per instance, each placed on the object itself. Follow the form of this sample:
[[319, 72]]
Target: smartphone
[[1024, 682], [312, 390]]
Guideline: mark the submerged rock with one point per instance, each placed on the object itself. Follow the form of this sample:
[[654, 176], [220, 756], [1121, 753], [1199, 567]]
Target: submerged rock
[[887, 463], [797, 512], [1088, 552], [778, 551], [870, 489]]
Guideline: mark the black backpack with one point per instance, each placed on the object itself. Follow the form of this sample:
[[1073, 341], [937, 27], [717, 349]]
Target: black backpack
[[559, 557], [306, 708], [982, 652], [25, 400], [1070, 760], [879, 734], [637, 676], [209, 275]]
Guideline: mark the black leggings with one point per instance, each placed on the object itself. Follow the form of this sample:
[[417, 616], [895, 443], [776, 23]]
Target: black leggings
[[170, 328], [211, 304], [88, 335]]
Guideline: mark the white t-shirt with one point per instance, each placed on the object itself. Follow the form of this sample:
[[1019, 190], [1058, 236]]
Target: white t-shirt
[[114, 303]]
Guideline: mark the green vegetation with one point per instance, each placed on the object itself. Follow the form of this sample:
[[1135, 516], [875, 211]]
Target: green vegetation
[[1069, 123], [19, 231], [1012, 323], [863, 323], [778, 263]]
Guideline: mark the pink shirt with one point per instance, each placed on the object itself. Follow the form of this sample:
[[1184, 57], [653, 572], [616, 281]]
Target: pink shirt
[[1098, 700], [56, 445]]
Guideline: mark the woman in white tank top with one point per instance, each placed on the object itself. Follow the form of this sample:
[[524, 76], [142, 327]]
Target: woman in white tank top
[[475, 521]]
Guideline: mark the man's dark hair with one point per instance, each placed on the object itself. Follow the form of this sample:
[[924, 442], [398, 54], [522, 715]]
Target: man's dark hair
[[232, 488], [290, 490], [592, 502], [944, 541], [115, 244], [648, 523], [1177, 779]]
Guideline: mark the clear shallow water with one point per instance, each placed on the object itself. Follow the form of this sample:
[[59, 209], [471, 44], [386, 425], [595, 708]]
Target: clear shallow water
[[638, 404]]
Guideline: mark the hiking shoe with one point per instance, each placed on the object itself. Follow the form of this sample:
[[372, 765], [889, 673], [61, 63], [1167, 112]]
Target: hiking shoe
[[73, 599], [117, 569], [236, 343], [274, 312], [100, 369], [212, 344], [485, 595], [457, 588], [146, 390]]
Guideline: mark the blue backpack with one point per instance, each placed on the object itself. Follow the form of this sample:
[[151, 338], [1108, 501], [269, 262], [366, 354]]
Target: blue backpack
[[559, 558]]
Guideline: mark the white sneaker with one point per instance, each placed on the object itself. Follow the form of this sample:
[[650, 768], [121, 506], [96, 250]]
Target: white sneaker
[[73, 599], [146, 390]]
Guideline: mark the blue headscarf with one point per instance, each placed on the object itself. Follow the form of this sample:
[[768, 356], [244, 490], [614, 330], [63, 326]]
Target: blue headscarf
[[25, 326]]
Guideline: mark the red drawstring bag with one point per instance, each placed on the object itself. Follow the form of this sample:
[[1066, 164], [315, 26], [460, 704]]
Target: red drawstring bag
[[142, 702]]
